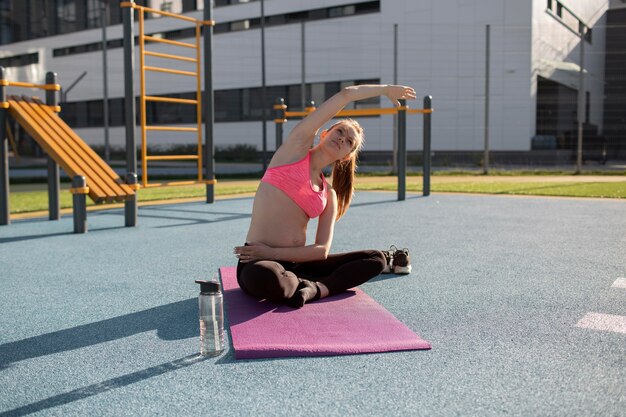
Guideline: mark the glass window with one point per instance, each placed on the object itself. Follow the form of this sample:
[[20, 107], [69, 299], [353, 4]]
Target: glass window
[[95, 113], [65, 16], [94, 13], [228, 105], [294, 97], [81, 114], [255, 111], [116, 112], [239, 25], [37, 20], [68, 113], [341, 11], [318, 93]]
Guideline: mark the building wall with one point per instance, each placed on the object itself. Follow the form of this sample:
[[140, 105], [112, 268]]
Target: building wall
[[441, 52], [556, 50]]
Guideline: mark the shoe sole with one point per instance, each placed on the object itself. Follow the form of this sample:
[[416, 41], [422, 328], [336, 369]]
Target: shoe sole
[[402, 269]]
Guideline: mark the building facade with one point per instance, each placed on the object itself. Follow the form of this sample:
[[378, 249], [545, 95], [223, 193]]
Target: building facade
[[436, 46]]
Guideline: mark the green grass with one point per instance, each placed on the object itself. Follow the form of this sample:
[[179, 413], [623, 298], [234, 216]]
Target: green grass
[[592, 189], [34, 197]]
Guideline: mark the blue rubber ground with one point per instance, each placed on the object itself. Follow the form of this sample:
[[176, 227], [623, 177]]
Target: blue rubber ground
[[106, 323]]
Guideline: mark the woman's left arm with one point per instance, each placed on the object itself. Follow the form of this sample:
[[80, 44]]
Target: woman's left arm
[[318, 251]]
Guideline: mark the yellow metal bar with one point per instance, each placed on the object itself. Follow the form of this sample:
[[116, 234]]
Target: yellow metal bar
[[366, 112], [170, 183], [360, 112], [142, 101], [4, 105], [79, 190], [420, 111], [280, 120], [170, 56], [171, 100], [296, 113], [171, 157], [280, 107], [161, 12], [199, 100], [170, 42], [50, 87], [172, 128], [170, 71]]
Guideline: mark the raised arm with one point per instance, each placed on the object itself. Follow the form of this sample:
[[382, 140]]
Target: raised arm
[[304, 132]]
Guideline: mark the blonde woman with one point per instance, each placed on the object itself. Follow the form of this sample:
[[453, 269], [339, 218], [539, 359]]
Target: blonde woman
[[276, 263]]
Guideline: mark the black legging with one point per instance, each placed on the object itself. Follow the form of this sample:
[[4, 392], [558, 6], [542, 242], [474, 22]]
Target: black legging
[[277, 280]]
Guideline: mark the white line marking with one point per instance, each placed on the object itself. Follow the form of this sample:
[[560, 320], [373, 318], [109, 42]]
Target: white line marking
[[604, 322], [619, 283]]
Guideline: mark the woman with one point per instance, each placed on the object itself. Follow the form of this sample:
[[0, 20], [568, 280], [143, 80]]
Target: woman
[[275, 263]]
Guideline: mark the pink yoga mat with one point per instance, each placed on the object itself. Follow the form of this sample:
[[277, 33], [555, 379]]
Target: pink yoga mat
[[343, 324]]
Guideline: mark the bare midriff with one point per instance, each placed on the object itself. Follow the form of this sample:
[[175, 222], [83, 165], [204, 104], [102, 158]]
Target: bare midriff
[[276, 220]]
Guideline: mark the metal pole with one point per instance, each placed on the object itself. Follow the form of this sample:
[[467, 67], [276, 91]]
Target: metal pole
[[428, 105], [209, 116], [130, 205], [5, 217], [105, 80], [581, 101], [54, 184], [54, 177], [394, 167], [263, 92], [130, 215], [279, 119], [303, 49], [65, 92], [487, 56], [79, 205], [402, 151]]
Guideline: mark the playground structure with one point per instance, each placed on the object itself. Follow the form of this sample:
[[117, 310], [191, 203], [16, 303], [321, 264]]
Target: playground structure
[[208, 23], [281, 115], [90, 174]]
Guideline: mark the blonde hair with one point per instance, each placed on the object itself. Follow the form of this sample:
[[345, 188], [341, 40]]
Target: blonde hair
[[344, 171]]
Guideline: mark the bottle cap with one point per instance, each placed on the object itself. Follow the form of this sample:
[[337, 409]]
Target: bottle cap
[[208, 287]]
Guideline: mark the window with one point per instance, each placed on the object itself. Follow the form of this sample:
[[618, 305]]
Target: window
[[94, 13], [65, 16], [20, 60], [233, 105], [37, 21], [549, 6], [239, 25], [341, 11], [228, 105]]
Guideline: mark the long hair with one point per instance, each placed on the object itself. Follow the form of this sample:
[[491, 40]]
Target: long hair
[[344, 171]]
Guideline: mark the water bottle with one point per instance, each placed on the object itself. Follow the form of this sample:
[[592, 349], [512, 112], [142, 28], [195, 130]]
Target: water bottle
[[211, 307]]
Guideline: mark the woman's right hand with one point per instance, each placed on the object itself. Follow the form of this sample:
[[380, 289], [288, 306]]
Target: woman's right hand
[[399, 92]]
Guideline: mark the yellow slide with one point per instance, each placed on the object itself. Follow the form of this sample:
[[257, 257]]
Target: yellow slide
[[68, 150]]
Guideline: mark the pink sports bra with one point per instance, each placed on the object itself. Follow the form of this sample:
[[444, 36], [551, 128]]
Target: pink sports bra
[[295, 181]]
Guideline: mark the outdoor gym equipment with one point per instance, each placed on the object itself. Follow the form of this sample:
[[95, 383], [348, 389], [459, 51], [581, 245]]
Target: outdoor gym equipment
[[90, 174], [206, 156], [281, 115]]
